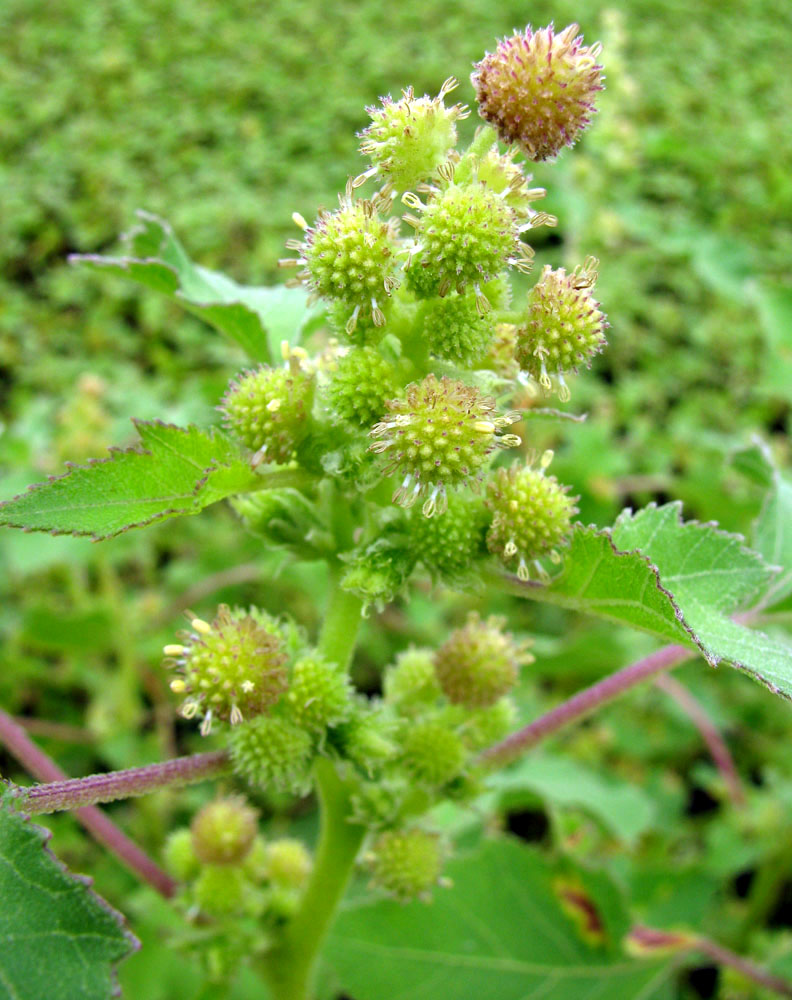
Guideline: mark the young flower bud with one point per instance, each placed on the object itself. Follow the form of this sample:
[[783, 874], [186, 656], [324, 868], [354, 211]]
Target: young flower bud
[[500, 356], [564, 327], [448, 546], [270, 751], [433, 753], [220, 891], [361, 383], [505, 177], [179, 856], [223, 831], [408, 139], [365, 740], [288, 863], [466, 235], [230, 670], [439, 436], [532, 515], [479, 663], [267, 410], [454, 329], [489, 725], [406, 863], [411, 683], [320, 694], [377, 572], [538, 87], [349, 256]]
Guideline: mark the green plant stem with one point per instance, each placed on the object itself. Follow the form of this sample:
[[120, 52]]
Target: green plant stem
[[484, 139], [339, 631], [290, 968]]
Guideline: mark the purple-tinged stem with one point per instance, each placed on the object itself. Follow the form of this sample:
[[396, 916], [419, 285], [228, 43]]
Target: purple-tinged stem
[[716, 745], [756, 974], [583, 703], [75, 792], [94, 820]]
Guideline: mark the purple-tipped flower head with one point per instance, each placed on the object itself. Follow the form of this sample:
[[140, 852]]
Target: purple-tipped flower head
[[538, 87]]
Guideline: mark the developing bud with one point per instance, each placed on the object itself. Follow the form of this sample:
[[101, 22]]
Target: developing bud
[[411, 683], [288, 863], [319, 695], [479, 663], [538, 87], [365, 740], [377, 572], [500, 357], [564, 327], [348, 255], [532, 515], [489, 725], [230, 670], [361, 383], [267, 409], [439, 436], [433, 753], [448, 546], [179, 856], [466, 235], [406, 863], [223, 831], [454, 329], [220, 891], [408, 139], [505, 177], [270, 751]]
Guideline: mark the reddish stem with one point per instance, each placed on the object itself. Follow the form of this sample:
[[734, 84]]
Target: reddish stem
[[716, 745], [583, 703], [94, 820]]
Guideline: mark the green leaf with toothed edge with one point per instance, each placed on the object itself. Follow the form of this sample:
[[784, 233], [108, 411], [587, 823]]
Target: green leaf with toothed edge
[[178, 471], [60, 940], [257, 319], [501, 932]]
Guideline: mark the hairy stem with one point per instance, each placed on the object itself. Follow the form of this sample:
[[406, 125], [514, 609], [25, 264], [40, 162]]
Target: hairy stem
[[290, 968], [75, 792], [339, 631], [716, 745], [583, 703], [94, 820], [484, 139]]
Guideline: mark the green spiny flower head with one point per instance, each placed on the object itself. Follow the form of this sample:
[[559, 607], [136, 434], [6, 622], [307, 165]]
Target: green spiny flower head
[[500, 356], [433, 753], [538, 89], [439, 436], [231, 669], [267, 409], [288, 863], [377, 572], [454, 329], [365, 739], [448, 546], [406, 863], [466, 235], [220, 890], [319, 695], [479, 662], [357, 327], [489, 725], [564, 327], [361, 383], [408, 139], [531, 515], [411, 683], [349, 255], [272, 751], [501, 174], [223, 831]]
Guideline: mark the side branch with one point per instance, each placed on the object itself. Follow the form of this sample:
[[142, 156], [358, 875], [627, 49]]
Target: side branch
[[583, 703]]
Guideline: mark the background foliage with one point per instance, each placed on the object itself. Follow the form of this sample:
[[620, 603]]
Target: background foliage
[[227, 117]]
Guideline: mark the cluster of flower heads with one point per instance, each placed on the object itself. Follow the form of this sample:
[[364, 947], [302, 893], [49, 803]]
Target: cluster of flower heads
[[426, 349]]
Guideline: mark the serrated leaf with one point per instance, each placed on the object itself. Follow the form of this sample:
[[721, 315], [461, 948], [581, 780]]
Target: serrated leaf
[[59, 939], [257, 319], [178, 471], [501, 933], [711, 575]]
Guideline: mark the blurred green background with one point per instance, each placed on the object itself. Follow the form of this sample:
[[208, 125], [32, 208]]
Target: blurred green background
[[227, 117]]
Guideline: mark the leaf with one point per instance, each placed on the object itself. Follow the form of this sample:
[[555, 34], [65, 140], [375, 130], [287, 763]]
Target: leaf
[[178, 471], [60, 940], [501, 933], [773, 537], [774, 305], [711, 575], [679, 581], [624, 810], [257, 319]]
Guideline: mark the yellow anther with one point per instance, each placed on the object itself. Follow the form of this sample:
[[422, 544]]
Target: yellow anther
[[201, 626], [298, 220], [178, 686], [484, 427], [174, 650], [274, 405]]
